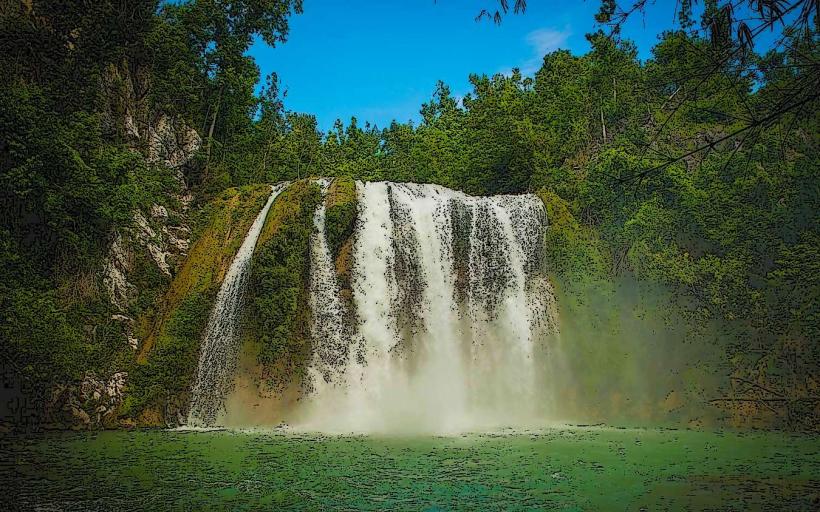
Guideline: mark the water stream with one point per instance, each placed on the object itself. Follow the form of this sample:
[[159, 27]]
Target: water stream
[[450, 299], [220, 344], [449, 313]]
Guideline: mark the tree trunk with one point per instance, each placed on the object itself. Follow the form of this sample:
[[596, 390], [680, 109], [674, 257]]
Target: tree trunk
[[614, 93], [213, 125]]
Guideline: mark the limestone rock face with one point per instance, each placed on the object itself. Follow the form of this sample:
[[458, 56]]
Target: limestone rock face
[[171, 142], [124, 110], [143, 256], [127, 115], [115, 269], [164, 141], [148, 238], [160, 242], [163, 244], [128, 323], [157, 233], [91, 404]]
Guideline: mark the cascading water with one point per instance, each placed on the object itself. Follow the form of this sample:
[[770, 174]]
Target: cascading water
[[220, 344], [327, 326], [451, 301]]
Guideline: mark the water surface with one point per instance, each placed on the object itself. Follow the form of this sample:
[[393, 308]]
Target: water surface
[[562, 468]]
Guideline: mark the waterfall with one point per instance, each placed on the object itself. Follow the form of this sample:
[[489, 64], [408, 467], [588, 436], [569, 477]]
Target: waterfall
[[451, 302], [220, 343], [327, 327]]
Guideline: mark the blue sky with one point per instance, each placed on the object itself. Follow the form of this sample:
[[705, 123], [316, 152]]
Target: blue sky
[[379, 61]]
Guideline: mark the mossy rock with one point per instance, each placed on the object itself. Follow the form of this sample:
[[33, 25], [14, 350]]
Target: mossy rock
[[340, 216], [167, 360], [287, 209], [151, 417], [229, 218], [344, 269], [278, 313]]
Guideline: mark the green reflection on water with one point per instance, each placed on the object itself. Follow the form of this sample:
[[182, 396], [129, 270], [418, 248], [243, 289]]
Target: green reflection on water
[[567, 469]]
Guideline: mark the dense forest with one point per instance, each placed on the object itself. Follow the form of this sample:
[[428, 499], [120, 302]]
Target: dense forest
[[704, 183]]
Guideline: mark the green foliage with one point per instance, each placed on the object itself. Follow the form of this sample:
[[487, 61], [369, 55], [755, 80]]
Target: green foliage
[[170, 350], [169, 372], [218, 36], [63, 46], [177, 84], [42, 342], [278, 289], [575, 253], [55, 336], [340, 215], [64, 187]]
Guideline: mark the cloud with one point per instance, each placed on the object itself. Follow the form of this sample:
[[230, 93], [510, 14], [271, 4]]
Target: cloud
[[546, 40], [543, 41]]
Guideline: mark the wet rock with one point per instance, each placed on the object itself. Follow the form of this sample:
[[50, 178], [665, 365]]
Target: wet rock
[[81, 419], [91, 404]]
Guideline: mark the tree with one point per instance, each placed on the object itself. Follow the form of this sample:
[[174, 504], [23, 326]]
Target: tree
[[223, 31], [732, 27], [501, 10]]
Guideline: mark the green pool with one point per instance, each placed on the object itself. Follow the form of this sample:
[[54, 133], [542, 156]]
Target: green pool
[[562, 468]]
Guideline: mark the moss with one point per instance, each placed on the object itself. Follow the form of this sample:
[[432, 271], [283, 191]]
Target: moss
[[168, 374], [344, 269], [172, 331], [287, 207], [230, 217], [278, 313], [574, 252], [340, 216]]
